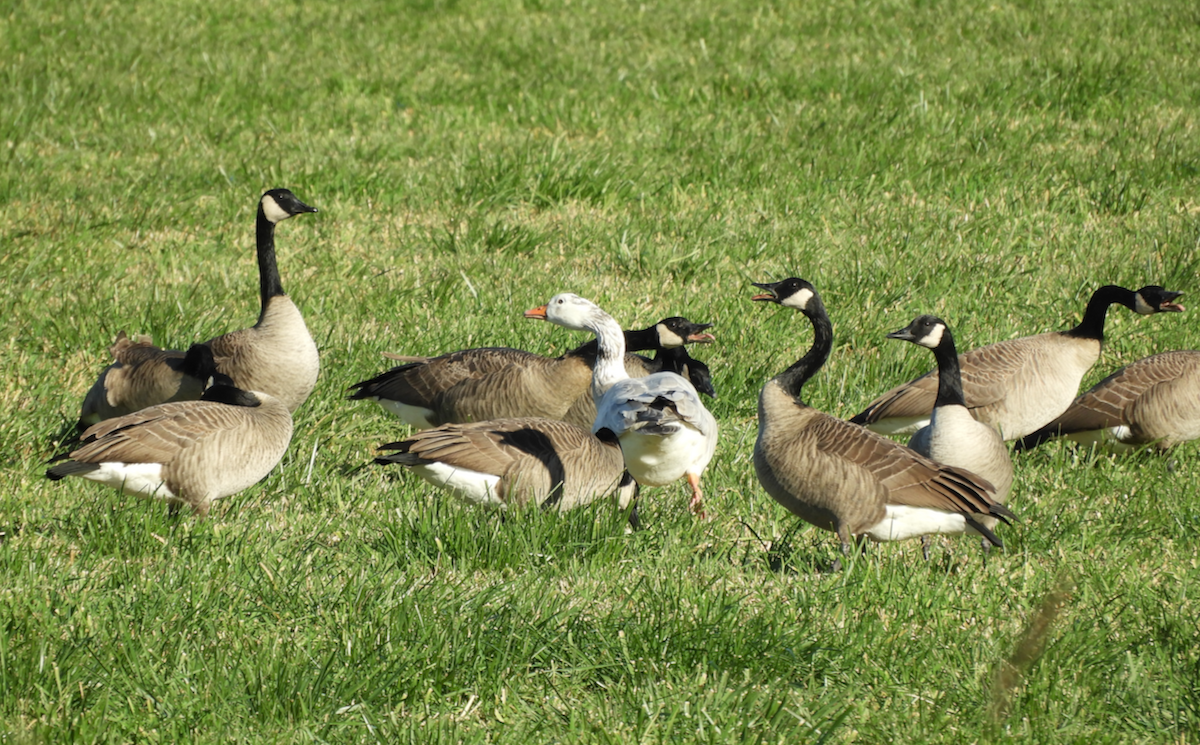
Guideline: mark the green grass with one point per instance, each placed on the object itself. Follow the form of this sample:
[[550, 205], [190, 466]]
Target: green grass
[[991, 163]]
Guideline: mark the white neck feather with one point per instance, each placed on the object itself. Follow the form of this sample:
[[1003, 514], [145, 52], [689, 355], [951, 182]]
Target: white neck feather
[[610, 362]]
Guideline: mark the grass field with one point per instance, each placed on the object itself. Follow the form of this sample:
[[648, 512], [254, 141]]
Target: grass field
[[989, 162]]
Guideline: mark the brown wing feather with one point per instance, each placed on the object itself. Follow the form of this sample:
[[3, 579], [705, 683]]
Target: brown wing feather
[[157, 434], [1107, 403]]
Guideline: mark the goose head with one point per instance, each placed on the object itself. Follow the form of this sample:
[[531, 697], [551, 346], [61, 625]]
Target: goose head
[[678, 331], [792, 292], [925, 331], [570, 311], [1155, 299], [278, 205]]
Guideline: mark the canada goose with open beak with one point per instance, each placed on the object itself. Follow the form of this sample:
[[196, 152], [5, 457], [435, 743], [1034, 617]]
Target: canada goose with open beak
[[185, 452], [1154, 401], [1019, 385], [277, 354], [484, 384], [844, 478], [143, 375], [663, 428], [511, 463]]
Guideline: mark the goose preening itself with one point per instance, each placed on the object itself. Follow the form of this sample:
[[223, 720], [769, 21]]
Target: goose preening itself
[[475, 385], [277, 354], [1154, 401], [954, 437], [185, 452], [143, 375], [663, 428], [516, 462], [844, 478], [1019, 385]]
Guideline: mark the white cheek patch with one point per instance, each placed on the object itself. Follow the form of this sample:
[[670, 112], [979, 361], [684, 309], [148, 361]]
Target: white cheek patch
[[668, 339], [137, 479], [933, 338], [1141, 306], [272, 210], [798, 300]]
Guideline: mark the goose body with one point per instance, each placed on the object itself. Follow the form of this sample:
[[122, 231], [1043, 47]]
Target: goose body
[[1019, 385], [1154, 401], [484, 384], [277, 354], [516, 462], [185, 452], [844, 478], [664, 430], [143, 375]]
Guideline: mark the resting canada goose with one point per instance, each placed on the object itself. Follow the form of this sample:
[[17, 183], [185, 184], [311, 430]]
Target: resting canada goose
[[497, 382], [664, 430], [277, 354], [1154, 401], [143, 375], [954, 437], [515, 462], [1019, 385], [844, 478], [185, 452]]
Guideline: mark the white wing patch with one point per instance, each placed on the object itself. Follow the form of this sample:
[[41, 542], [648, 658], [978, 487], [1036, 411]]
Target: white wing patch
[[903, 522], [137, 479], [472, 487], [417, 416]]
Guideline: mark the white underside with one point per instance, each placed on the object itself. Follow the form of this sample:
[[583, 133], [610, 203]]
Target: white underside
[[137, 479], [472, 487], [899, 425], [658, 460], [417, 416], [903, 522]]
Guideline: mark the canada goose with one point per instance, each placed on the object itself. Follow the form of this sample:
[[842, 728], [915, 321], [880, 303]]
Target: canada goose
[[844, 478], [664, 430], [277, 354], [497, 382], [1019, 385], [515, 462], [185, 452], [143, 375], [1154, 401]]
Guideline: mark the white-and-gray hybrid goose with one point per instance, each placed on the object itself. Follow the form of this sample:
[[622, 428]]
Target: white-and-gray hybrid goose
[[1019, 385], [664, 429], [844, 478], [185, 452]]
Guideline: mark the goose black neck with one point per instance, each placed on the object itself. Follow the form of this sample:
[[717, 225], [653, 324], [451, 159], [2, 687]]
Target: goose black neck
[[635, 341], [950, 390], [269, 283], [792, 380], [1092, 325]]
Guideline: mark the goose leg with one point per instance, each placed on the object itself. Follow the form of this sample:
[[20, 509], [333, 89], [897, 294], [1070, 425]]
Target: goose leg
[[925, 541], [696, 505]]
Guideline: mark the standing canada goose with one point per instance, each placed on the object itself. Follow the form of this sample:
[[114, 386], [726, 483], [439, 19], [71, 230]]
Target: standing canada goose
[[490, 383], [1019, 385], [664, 430], [516, 462], [276, 355], [1154, 401], [954, 437], [185, 452], [143, 375], [844, 478]]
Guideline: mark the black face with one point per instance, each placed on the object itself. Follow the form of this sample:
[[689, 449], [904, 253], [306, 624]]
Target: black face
[[920, 327], [1160, 300], [783, 289], [691, 333], [701, 377], [288, 202]]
